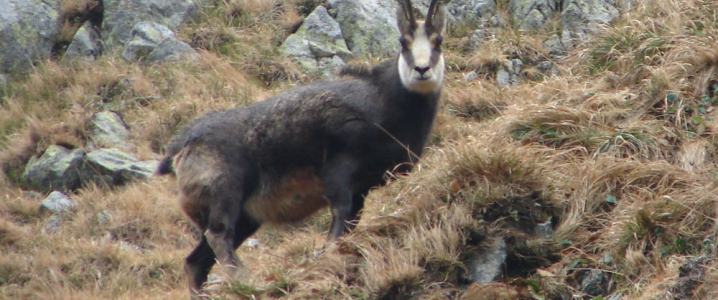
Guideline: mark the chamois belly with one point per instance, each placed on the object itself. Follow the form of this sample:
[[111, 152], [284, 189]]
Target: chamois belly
[[291, 198]]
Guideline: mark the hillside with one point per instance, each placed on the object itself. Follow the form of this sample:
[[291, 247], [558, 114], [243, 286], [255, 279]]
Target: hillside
[[587, 173]]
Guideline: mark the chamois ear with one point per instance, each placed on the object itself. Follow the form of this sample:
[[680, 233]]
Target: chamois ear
[[405, 17], [436, 17]]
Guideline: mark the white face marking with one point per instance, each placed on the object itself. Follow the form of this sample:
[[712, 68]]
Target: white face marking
[[421, 50]]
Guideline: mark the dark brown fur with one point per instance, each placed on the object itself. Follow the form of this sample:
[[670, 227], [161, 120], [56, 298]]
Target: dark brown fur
[[282, 159]]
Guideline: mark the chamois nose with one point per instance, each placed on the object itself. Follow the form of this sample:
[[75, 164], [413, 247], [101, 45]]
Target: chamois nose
[[421, 70]]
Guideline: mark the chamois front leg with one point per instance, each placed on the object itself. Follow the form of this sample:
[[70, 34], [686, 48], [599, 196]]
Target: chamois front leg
[[343, 203]]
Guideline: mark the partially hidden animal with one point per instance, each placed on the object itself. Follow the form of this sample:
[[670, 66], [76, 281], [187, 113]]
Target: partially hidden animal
[[323, 143]]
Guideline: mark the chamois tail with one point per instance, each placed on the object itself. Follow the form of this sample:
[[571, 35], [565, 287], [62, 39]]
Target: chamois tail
[[165, 166]]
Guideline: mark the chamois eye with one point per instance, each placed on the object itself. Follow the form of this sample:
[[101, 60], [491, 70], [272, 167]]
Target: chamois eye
[[402, 41], [437, 41]]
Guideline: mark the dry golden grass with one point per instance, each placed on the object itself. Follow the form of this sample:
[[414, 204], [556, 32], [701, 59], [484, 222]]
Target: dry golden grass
[[618, 151]]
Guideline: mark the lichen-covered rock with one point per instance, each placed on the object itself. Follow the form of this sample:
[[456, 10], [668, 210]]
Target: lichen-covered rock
[[57, 203], [469, 11], [368, 26], [318, 45], [57, 169], [532, 14], [585, 15], [85, 45], [690, 276], [108, 130], [172, 50], [509, 73], [592, 282], [154, 42], [120, 16], [111, 167], [576, 15], [29, 30], [555, 46]]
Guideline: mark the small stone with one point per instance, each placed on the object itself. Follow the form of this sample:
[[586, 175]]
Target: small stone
[[86, 44], [497, 21], [544, 230], [593, 282], [57, 203], [109, 130], [53, 223], [503, 78], [485, 265], [470, 76], [104, 216], [544, 66], [252, 243]]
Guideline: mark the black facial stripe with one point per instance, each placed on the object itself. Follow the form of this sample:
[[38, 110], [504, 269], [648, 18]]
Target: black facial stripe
[[435, 56], [408, 57]]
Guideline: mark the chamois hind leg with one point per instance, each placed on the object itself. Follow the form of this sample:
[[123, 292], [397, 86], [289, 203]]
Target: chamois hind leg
[[197, 266], [222, 232]]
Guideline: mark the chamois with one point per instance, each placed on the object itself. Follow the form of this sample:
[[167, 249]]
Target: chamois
[[323, 143]]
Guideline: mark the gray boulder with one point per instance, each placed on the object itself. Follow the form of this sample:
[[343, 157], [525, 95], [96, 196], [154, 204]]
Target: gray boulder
[[586, 15], [576, 15], [57, 169], [120, 16], [532, 14], [368, 26], [85, 45], [154, 42], [29, 30], [57, 203], [486, 264], [318, 45], [555, 46], [476, 40], [172, 50], [471, 11], [509, 73], [108, 130], [113, 167]]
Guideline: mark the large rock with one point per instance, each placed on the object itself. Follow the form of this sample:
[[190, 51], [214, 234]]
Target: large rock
[[57, 169], [471, 11], [85, 45], [153, 42], [108, 130], [29, 30], [576, 15], [172, 50], [318, 45], [113, 167], [532, 14], [120, 16], [368, 26], [586, 15]]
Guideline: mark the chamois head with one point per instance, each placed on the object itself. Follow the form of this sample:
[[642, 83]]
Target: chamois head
[[421, 64]]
